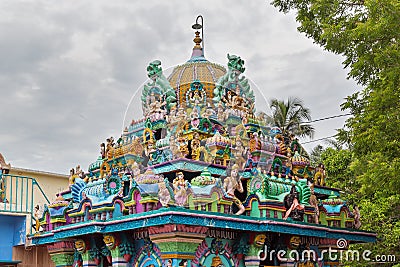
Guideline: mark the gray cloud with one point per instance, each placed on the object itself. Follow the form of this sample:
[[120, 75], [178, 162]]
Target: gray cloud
[[68, 70]]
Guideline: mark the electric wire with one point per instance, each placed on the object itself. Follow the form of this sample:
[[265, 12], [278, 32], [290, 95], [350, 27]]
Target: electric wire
[[319, 139], [322, 119], [330, 117]]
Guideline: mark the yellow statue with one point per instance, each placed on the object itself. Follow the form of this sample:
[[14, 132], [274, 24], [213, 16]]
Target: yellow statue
[[109, 240], [216, 262], [80, 246]]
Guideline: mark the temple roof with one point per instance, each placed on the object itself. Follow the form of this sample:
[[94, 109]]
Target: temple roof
[[175, 215]]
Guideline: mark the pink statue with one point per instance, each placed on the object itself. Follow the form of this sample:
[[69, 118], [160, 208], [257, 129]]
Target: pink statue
[[180, 187]]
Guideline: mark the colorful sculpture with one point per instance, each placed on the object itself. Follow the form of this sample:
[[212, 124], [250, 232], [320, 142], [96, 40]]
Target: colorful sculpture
[[136, 207], [294, 209], [232, 183], [180, 187]]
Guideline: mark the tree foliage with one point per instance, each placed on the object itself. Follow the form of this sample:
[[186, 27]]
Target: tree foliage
[[291, 117], [367, 34]]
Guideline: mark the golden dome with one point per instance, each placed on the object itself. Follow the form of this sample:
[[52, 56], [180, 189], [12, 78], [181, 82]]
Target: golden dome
[[199, 69], [203, 71]]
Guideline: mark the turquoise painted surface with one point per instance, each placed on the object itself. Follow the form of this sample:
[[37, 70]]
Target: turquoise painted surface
[[12, 232]]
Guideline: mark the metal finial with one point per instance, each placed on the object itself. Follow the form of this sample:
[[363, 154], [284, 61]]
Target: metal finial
[[198, 26]]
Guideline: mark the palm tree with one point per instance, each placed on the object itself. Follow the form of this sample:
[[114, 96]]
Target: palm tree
[[291, 117]]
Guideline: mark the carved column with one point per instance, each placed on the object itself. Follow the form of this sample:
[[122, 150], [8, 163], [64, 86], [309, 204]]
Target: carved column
[[82, 247], [62, 253], [252, 259], [120, 248], [88, 261], [177, 241], [117, 259]]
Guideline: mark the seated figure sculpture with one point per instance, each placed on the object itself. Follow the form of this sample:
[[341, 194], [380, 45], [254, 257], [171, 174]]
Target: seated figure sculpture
[[293, 207], [233, 183]]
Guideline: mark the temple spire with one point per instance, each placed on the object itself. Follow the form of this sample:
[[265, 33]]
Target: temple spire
[[198, 49], [197, 40]]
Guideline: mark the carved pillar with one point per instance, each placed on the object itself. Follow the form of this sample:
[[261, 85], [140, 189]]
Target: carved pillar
[[62, 253], [177, 241], [253, 258], [117, 259], [87, 259], [120, 248]]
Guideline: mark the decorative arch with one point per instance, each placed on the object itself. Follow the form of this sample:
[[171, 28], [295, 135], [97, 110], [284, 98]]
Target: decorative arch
[[205, 254], [102, 166], [254, 204], [148, 135], [119, 207], [148, 254], [196, 93]]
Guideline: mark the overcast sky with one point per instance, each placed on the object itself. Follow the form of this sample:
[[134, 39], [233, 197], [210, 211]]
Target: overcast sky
[[69, 68]]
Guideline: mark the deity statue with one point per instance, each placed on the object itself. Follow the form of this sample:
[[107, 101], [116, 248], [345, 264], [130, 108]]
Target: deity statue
[[237, 85], [228, 99], [157, 96], [163, 194], [207, 155], [221, 112], [103, 150], [320, 174], [150, 149], [280, 144], [110, 147], [288, 166], [180, 187], [255, 143], [72, 176], [232, 183], [78, 171], [294, 209], [156, 108], [196, 98], [208, 112], [136, 171], [36, 216], [240, 152], [150, 99], [181, 119], [314, 203], [172, 118], [75, 173], [195, 147], [194, 116], [183, 147]]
